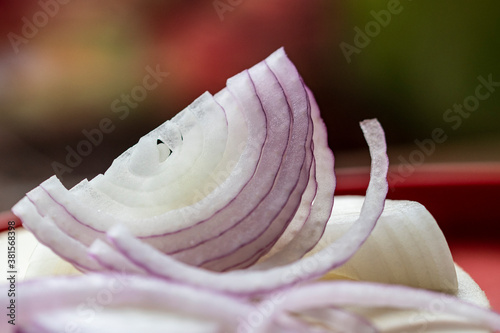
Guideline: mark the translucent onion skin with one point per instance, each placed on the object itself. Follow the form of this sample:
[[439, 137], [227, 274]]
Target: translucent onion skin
[[232, 259]]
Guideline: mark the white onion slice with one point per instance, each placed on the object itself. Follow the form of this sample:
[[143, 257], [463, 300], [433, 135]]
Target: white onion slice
[[406, 247], [48, 233], [258, 282], [261, 176]]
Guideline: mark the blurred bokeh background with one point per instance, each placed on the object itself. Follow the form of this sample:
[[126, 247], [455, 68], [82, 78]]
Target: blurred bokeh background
[[64, 63], [67, 66]]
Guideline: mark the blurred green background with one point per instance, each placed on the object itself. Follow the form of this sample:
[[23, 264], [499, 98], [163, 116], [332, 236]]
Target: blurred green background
[[62, 76]]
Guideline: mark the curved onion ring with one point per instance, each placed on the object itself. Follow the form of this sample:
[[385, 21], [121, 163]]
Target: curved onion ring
[[242, 179], [252, 160]]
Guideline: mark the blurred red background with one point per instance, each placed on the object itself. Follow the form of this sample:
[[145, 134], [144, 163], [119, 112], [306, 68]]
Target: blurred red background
[[78, 58]]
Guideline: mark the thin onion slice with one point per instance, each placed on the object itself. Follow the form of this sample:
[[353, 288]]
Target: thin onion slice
[[277, 208], [242, 191], [283, 197], [48, 233], [112, 260], [108, 302], [295, 244], [369, 294], [335, 319], [259, 282], [406, 247]]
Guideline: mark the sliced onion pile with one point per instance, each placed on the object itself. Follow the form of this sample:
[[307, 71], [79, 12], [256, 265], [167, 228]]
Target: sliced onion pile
[[122, 303], [212, 216]]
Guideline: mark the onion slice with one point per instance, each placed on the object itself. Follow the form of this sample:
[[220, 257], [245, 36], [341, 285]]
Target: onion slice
[[406, 247], [48, 233], [336, 319], [259, 282], [229, 176], [125, 303], [369, 294], [296, 243], [219, 209]]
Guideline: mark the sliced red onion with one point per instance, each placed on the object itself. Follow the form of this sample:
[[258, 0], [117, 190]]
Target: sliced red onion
[[367, 294], [304, 240], [284, 198], [258, 282], [241, 177], [48, 233], [121, 303], [111, 259], [266, 168], [335, 320], [296, 225]]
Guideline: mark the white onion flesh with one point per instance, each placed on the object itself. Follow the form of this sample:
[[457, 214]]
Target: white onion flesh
[[414, 321], [228, 201], [256, 282], [251, 203], [406, 247]]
